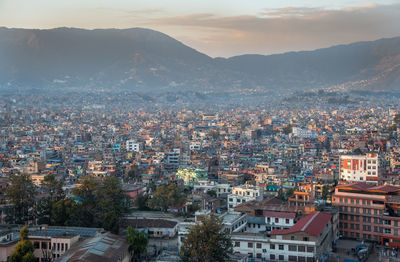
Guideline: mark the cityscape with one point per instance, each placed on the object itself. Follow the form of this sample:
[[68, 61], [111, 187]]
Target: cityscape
[[138, 140]]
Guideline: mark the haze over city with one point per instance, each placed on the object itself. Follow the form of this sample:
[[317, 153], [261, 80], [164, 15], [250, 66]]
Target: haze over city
[[199, 131]]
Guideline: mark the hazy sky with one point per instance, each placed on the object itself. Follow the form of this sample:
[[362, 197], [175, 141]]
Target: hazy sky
[[220, 27]]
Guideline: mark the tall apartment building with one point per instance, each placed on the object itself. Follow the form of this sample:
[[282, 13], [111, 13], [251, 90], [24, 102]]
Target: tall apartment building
[[132, 145], [358, 168], [369, 212]]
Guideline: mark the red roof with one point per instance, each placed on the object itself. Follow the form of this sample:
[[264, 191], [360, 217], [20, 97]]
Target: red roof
[[279, 214], [312, 224]]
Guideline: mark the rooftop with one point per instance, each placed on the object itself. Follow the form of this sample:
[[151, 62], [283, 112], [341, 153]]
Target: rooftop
[[312, 224]]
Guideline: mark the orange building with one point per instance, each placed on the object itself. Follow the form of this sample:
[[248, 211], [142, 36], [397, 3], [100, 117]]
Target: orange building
[[369, 212]]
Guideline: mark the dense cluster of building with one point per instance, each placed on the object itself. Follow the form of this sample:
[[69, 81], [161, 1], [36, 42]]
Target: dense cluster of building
[[287, 184]]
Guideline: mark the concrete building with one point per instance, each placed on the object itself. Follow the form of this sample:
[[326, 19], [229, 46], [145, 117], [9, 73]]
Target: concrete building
[[369, 212], [132, 146], [358, 168], [157, 228], [310, 239], [105, 247], [244, 193]]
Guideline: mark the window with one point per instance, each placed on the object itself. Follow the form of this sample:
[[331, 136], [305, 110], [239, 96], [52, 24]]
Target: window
[[281, 257], [272, 256], [310, 249], [287, 221], [301, 248], [258, 255], [292, 258], [281, 247], [237, 244], [292, 248], [66, 246], [36, 245], [44, 245], [292, 238], [276, 220], [250, 244], [271, 246], [258, 245], [305, 238]]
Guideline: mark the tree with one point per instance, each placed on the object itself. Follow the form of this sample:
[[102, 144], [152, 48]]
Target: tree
[[113, 203], [100, 203], [290, 192], [86, 211], [166, 196], [21, 194], [137, 241], [397, 119], [325, 192], [24, 249], [62, 212], [141, 201], [287, 130], [206, 241]]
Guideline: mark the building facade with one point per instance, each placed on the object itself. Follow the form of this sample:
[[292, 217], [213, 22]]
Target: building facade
[[359, 168]]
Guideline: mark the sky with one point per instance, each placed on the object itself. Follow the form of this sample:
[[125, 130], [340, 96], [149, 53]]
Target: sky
[[220, 27]]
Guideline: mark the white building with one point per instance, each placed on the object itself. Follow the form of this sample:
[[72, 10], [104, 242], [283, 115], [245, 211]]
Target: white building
[[244, 193], [132, 146], [308, 240], [223, 189], [359, 168]]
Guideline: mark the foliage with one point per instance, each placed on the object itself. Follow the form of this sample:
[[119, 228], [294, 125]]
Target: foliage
[[206, 241], [290, 192], [100, 204], [137, 241], [357, 151], [133, 174], [141, 201], [24, 249], [21, 194], [325, 192], [53, 192], [62, 212], [397, 119], [392, 128], [212, 193], [166, 196], [287, 130], [112, 203]]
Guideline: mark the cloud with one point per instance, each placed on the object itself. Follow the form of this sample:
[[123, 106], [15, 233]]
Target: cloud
[[280, 30]]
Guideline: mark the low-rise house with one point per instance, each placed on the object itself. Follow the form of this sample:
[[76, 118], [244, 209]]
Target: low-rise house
[[155, 227]]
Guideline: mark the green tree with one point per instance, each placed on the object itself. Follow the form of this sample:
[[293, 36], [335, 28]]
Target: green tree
[[397, 119], [287, 130], [21, 194], [289, 192], [62, 212], [141, 201], [24, 249], [206, 241], [99, 203], [113, 203], [137, 241], [133, 174], [86, 211], [52, 192], [166, 196], [325, 192]]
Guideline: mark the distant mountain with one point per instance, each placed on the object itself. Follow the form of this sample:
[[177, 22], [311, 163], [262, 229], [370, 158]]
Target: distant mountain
[[142, 59]]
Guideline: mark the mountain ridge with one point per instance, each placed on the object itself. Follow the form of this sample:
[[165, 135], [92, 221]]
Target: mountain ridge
[[143, 59]]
